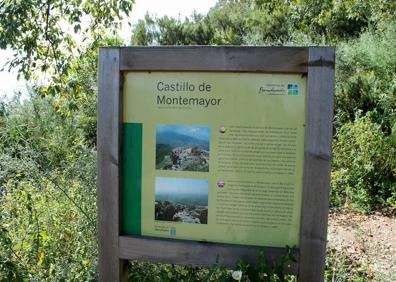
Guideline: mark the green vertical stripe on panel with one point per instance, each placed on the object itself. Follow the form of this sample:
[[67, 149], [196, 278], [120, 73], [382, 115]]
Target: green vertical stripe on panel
[[131, 178]]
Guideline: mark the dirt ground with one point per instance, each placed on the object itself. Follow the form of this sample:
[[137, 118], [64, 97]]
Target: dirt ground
[[369, 239]]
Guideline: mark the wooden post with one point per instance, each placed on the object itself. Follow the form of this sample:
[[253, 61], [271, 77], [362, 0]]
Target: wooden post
[[317, 157], [111, 268]]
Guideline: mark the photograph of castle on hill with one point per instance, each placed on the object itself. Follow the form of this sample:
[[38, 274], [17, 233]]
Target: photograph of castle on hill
[[181, 199], [182, 147]]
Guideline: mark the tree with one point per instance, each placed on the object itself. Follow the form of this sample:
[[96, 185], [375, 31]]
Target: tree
[[41, 32], [267, 22], [171, 31]]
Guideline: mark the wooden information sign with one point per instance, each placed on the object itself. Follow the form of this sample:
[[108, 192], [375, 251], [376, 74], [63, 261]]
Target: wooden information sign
[[207, 152]]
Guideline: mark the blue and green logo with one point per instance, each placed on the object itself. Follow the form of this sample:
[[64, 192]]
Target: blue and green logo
[[292, 89]]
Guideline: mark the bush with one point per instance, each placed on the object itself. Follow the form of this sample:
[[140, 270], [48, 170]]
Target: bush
[[366, 78], [47, 196], [363, 166], [364, 161]]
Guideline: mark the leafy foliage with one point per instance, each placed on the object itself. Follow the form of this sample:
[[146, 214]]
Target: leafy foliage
[[366, 73], [364, 160], [47, 195], [170, 31], [41, 32], [262, 271], [266, 22], [364, 175]]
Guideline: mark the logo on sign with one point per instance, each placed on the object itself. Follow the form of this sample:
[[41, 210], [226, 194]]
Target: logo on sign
[[292, 89]]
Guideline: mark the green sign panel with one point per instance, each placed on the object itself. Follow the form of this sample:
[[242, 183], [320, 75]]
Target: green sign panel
[[214, 157]]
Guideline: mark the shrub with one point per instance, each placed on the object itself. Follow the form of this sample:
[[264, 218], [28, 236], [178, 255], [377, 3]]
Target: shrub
[[47, 196], [364, 174], [363, 166], [366, 78]]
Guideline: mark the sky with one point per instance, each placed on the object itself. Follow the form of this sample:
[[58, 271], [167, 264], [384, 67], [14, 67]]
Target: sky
[[200, 132], [8, 80], [174, 8], [172, 185]]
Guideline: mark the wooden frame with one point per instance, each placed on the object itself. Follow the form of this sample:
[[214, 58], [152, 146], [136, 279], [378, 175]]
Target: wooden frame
[[316, 62]]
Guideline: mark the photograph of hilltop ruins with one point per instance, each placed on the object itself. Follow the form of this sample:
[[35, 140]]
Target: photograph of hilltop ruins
[[182, 147], [181, 199]]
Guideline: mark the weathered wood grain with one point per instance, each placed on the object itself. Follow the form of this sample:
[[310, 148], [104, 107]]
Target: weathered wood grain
[[215, 58], [317, 156], [108, 142], [198, 253]]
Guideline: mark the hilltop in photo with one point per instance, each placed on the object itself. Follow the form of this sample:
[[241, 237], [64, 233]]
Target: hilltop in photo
[[182, 147]]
